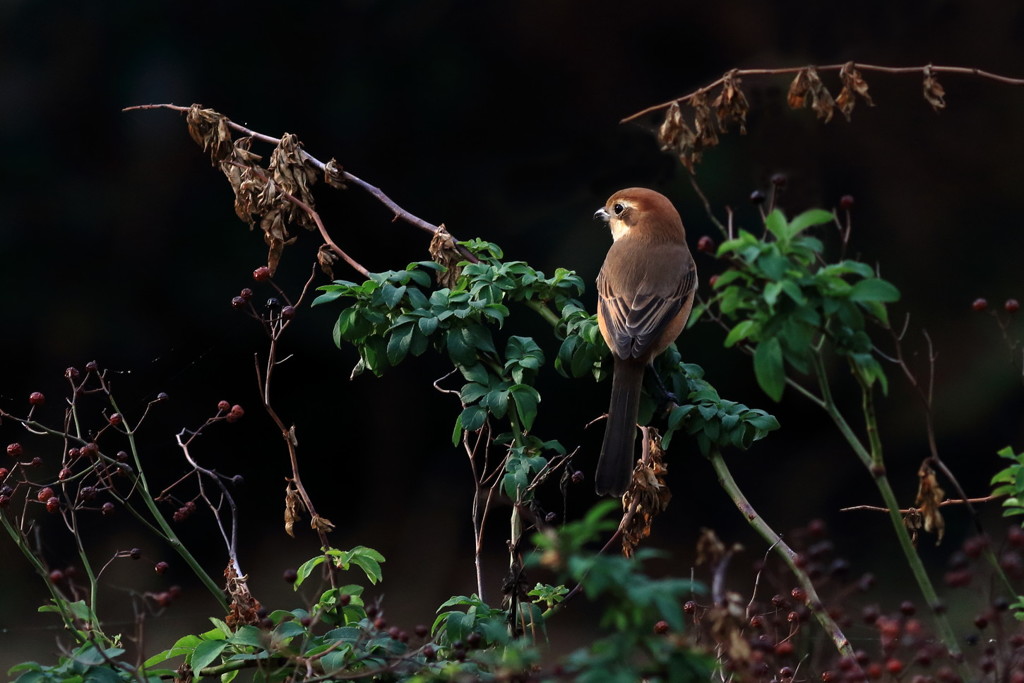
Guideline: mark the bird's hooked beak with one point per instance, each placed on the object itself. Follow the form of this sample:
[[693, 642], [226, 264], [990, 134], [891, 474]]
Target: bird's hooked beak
[[602, 214]]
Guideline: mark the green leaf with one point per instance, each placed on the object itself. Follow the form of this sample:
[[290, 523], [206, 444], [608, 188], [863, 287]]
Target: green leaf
[[768, 368], [808, 219], [775, 223], [472, 418], [526, 398], [743, 329], [874, 289], [205, 653], [247, 635]]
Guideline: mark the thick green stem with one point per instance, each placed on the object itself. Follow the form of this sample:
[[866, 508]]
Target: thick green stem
[[787, 554], [542, 309], [873, 460]]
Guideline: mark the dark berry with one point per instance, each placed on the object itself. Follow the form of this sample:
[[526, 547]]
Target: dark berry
[[36, 398], [980, 621], [91, 366], [980, 304], [5, 500], [799, 594], [473, 640], [380, 623], [550, 517], [757, 197], [428, 653], [817, 528], [135, 553], [866, 582], [14, 450], [344, 599], [870, 614], [71, 373], [421, 631], [246, 293], [784, 649], [661, 627], [288, 312], [689, 607], [779, 180], [1011, 306], [393, 632], [162, 396], [107, 508], [35, 462], [272, 304], [121, 456], [290, 575], [577, 477], [306, 621], [846, 202], [907, 608], [237, 302], [786, 673], [160, 567], [705, 244], [237, 480], [261, 274], [87, 492]]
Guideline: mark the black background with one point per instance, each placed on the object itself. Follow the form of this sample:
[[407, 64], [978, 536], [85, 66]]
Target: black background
[[120, 244]]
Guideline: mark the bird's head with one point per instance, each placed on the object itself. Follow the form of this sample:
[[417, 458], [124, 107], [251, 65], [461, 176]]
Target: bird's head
[[639, 212]]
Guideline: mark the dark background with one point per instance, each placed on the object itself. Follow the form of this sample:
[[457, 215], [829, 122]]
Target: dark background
[[120, 244]]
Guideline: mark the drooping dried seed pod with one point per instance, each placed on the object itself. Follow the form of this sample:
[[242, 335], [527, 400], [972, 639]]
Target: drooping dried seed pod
[[934, 93]]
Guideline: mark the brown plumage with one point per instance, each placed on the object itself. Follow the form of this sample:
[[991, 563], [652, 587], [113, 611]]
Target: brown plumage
[[645, 292]]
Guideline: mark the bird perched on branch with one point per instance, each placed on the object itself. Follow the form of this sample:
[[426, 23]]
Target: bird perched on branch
[[645, 292]]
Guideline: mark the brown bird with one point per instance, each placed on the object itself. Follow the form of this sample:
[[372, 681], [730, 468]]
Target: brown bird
[[645, 292]]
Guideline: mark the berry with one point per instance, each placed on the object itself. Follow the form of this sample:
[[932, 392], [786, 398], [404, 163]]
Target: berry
[[237, 480], [36, 398], [907, 608], [261, 274], [846, 202], [429, 653], [380, 623], [393, 632], [344, 599], [550, 517], [421, 631], [4, 472], [115, 419], [713, 279], [71, 373], [14, 450], [980, 621], [577, 477], [786, 673], [160, 567], [237, 302], [816, 527], [90, 450], [288, 312], [661, 627], [689, 607], [894, 666], [874, 670], [246, 293], [779, 180], [705, 244], [5, 500], [35, 462], [870, 614], [1015, 536], [87, 492], [290, 575], [44, 494], [135, 553], [779, 601], [272, 303], [162, 396], [306, 621], [757, 197], [121, 456], [223, 406], [979, 304], [53, 504], [473, 640], [91, 366], [799, 594], [107, 508], [1011, 306], [784, 649], [56, 576]]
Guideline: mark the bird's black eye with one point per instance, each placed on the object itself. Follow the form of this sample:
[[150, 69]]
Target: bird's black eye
[[618, 209]]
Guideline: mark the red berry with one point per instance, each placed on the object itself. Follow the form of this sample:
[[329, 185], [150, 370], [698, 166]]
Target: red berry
[[846, 202], [799, 594], [14, 450], [974, 546], [661, 627], [712, 280], [705, 244], [53, 504], [64, 474], [90, 450], [44, 494], [429, 653], [71, 373], [160, 567], [380, 623], [56, 576], [393, 632], [689, 607], [36, 398], [261, 274], [979, 304], [223, 406], [1011, 306], [874, 670], [784, 649], [35, 462], [894, 666], [344, 599], [91, 366], [115, 419], [4, 472], [246, 293], [980, 621]]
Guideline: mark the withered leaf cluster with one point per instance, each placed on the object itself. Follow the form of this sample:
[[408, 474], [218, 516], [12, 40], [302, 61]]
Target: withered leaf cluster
[[934, 93], [688, 141], [243, 608], [277, 197], [808, 87], [929, 497], [443, 251], [647, 492]]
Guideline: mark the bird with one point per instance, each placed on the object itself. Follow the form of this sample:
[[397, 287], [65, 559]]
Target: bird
[[645, 291]]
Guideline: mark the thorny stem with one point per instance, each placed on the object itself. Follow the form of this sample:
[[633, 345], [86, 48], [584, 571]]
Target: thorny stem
[[830, 67], [787, 554]]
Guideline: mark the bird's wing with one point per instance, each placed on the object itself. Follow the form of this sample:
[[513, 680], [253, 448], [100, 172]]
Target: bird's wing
[[636, 314]]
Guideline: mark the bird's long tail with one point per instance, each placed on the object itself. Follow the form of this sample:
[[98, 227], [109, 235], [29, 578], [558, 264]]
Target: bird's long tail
[[615, 466]]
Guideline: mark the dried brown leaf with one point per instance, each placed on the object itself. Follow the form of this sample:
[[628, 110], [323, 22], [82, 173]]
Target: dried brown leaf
[[731, 104], [648, 495], [797, 96], [443, 250], [321, 524], [934, 93], [710, 549], [292, 508], [853, 85], [243, 608], [727, 621], [929, 497], [294, 175], [821, 99], [326, 258], [334, 175], [704, 123], [210, 130]]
